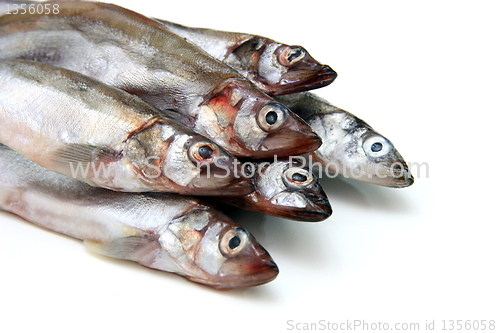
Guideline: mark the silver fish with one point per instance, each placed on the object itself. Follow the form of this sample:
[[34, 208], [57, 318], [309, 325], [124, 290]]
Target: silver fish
[[275, 68], [167, 232], [143, 57], [351, 147], [285, 189], [106, 137]]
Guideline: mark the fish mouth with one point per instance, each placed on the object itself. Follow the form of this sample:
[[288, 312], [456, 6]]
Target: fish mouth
[[386, 178], [398, 176], [299, 82], [405, 181], [290, 143], [320, 210], [294, 138], [239, 186], [243, 186], [316, 211], [266, 271]]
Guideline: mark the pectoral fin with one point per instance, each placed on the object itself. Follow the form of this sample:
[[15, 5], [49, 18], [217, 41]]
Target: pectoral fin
[[129, 248], [74, 158], [10, 198], [5, 195]]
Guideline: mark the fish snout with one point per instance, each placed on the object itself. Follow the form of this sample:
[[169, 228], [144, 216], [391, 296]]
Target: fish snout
[[406, 179], [400, 172], [321, 209], [318, 208], [325, 76], [309, 76], [255, 269], [396, 175], [294, 138]]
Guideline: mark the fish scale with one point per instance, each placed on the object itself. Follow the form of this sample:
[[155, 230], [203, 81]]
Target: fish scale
[[141, 56], [101, 126], [140, 227]]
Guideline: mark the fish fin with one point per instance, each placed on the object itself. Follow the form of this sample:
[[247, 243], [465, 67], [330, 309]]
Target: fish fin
[[133, 248], [83, 153], [68, 158], [240, 41], [11, 197], [178, 117], [5, 194]]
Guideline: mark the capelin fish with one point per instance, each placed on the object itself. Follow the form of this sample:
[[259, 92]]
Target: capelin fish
[[167, 232], [84, 129], [275, 68], [285, 189], [142, 56], [351, 147]]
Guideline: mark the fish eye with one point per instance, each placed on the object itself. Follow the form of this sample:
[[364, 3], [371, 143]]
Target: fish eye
[[272, 116], [291, 55], [233, 242], [297, 177], [376, 146], [203, 152]]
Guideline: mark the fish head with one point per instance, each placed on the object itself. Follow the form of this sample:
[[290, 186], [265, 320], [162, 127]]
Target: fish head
[[277, 68], [209, 248], [289, 189], [197, 165], [258, 126], [365, 155]]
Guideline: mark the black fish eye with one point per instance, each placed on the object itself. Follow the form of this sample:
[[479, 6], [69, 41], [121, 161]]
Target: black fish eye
[[296, 53], [234, 242], [298, 177], [376, 147], [271, 117], [205, 152]]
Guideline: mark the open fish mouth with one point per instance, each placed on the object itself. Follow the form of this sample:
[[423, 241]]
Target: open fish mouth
[[404, 181], [399, 175], [324, 77], [322, 212]]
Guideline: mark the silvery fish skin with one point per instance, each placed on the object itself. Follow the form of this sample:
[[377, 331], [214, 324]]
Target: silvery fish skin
[[275, 68], [141, 56], [163, 231], [283, 188], [81, 128], [286, 189], [350, 147]]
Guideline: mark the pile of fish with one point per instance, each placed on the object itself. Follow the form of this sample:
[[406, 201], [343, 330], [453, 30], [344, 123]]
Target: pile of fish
[[103, 111]]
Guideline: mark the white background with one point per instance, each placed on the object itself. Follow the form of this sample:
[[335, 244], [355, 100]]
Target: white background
[[424, 74]]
